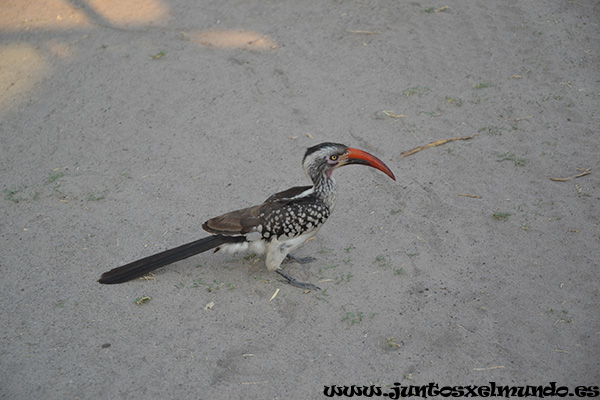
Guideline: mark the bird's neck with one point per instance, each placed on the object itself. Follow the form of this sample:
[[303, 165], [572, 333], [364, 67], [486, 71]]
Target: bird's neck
[[325, 188]]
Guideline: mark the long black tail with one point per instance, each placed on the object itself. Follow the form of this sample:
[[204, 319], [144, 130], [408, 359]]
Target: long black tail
[[141, 267]]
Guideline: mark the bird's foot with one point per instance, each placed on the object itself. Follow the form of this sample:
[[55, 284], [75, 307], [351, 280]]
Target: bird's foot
[[300, 260], [295, 282]]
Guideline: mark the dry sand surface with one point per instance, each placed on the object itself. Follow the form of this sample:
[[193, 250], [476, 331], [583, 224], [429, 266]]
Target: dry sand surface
[[125, 125]]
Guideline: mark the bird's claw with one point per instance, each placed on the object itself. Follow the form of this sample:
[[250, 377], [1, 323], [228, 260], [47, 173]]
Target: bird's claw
[[294, 282], [300, 260]]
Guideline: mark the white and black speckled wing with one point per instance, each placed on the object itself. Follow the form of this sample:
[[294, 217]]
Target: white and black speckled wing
[[285, 214]]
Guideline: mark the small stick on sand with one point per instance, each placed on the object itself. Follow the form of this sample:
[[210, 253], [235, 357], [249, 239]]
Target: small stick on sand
[[586, 171], [488, 368], [274, 294], [392, 115], [365, 32], [436, 143]]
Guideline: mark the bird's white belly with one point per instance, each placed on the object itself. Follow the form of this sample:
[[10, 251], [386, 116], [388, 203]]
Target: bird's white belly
[[257, 247], [275, 249], [278, 249], [291, 244]]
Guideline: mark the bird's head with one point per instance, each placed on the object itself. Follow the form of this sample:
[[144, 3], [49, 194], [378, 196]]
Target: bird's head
[[320, 160]]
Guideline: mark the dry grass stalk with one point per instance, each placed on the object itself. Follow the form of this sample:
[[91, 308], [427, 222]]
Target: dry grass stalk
[[436, 143], [586, 171], [392, 115], [274, 294]]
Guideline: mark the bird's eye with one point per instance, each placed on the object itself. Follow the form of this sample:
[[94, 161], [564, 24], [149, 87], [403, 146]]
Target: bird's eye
[[333, 157]]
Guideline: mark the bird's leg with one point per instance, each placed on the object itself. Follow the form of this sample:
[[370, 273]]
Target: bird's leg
[[300, 260], [295, 282]]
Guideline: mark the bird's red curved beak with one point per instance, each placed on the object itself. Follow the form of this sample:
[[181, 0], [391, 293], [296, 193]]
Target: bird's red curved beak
[[356, 156]]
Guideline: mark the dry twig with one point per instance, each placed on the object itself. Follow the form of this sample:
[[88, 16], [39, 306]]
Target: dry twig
[[274, 294], [392, 115], [488, 368], [586, 171], [436, 143], [365, 32]]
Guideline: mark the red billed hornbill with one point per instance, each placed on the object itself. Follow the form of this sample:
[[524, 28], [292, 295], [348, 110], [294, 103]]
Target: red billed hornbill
[[275, 228]]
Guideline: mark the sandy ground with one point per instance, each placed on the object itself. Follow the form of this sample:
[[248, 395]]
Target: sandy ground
[[124, 127]]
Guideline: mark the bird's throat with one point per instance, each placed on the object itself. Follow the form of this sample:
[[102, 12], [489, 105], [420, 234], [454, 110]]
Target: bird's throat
[[326, 190]]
